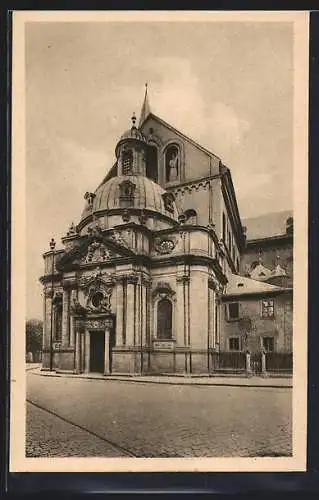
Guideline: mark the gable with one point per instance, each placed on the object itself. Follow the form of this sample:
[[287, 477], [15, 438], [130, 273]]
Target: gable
[[94, 250], [199, 162]]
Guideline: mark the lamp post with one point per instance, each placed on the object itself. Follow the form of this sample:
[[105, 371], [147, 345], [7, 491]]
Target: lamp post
[[52, 247]]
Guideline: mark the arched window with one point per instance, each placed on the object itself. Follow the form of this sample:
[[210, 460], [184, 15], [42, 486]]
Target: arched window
[[191, 216], [127, 191], [127, 161], [164, 319], [172, 163], [151, 163]]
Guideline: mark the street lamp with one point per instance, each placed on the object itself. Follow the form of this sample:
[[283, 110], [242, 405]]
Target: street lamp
[[52, 247]]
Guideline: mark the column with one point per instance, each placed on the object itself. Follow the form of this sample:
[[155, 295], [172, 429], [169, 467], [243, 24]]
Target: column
[[65, 317], [144, 311], [47, 318], [130, 310], [263, 363], [72, 321], [77, 348], [180, 332], [82, 351], [87, 351], [211, 318], [107, 352], [137, 314], [148, 313], [119, 312]]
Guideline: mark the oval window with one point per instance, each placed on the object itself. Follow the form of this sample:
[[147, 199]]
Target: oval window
[[97, 299]]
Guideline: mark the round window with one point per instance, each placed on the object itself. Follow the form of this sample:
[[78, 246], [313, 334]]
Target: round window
[[97, 299]]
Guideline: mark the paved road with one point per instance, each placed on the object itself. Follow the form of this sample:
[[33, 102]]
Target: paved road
[[154, 420]]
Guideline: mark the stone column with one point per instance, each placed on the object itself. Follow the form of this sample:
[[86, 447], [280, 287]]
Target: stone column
[[77, 347], [47, 308], [137, 314], [181, 330], [82, 352], [119, 312], [87, 351], [131, 310], [72, 321], [263, 363], [65, 317], [145, 284], [107, 352]]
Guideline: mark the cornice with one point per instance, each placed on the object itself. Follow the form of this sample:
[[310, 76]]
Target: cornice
[[128, 211], [191, 185]]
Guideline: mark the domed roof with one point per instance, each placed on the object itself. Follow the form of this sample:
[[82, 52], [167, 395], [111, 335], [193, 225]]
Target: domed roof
[[145, 194], [133, 133]]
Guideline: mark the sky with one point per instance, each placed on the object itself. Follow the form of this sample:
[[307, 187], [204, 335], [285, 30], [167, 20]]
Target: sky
[[228, 85]]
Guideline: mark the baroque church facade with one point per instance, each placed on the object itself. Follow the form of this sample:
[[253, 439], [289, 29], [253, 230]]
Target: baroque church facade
[[158, 275]]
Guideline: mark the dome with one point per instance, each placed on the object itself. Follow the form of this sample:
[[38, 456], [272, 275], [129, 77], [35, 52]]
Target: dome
[[133, 133], [144, 194]]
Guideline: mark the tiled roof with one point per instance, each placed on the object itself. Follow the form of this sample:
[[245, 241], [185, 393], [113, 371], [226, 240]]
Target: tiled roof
[[238, 285], [263, 226]]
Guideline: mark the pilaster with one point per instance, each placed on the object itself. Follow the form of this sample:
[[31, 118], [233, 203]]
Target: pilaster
[[66, 317]]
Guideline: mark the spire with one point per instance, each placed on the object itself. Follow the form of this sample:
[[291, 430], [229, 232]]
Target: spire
[[145, 111]]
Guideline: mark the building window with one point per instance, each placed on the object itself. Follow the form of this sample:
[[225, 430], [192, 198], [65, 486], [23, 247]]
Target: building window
[[151, 163], [234, 344], [127, 162], [127, 191], [268, 344], [191, 216], [224, 228], [172, 163], [233, 310], [168, 199], [97, 299], [237, 264], [267, 310], [164, 319]]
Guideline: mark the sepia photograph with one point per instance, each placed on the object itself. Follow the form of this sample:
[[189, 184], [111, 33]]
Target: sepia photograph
[[159, 244]]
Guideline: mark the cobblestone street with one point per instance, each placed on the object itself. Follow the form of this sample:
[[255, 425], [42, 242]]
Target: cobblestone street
[[114, 418]]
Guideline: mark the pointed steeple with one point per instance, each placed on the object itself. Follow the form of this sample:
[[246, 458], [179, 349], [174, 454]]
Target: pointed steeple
[[146, 109]]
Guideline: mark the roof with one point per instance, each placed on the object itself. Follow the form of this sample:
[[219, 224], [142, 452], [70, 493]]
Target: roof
[[181, 134], [266, 225], [238, 285], [147, 195], [146, 109]]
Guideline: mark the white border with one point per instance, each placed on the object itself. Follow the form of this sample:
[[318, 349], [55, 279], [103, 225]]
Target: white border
[[18, 461]]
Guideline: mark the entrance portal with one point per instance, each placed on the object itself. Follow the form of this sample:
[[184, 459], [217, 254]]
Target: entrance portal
[[97, 347]]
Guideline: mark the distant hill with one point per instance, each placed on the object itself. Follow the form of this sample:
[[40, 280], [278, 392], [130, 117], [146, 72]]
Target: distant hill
[[266, 225]]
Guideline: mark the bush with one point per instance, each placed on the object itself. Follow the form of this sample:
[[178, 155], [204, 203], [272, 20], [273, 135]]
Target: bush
[[34, 335]]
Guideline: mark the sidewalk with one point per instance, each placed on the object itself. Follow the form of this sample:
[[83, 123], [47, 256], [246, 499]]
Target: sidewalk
[[232, 381]]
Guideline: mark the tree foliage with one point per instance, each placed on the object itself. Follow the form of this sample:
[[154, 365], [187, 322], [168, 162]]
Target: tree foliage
[[34, 334]]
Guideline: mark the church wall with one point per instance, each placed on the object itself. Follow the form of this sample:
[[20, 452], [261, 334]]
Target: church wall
[[197, 162], [196, 199], [232, 244]]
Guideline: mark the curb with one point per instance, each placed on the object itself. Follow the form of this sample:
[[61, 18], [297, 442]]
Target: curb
[[163, 382]]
